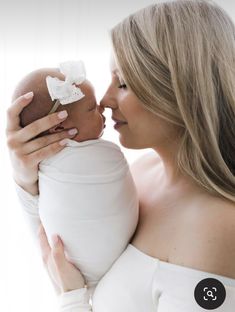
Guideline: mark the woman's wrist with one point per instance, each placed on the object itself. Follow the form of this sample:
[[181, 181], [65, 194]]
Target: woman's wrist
[[72, 285], [31, 188], [75, 299], [66, 290]]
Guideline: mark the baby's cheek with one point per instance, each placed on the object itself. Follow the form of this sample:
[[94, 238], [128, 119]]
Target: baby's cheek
[[99, 124], [93, 123]]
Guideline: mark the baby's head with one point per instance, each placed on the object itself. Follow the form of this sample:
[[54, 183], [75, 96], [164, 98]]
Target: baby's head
[[83, 114]]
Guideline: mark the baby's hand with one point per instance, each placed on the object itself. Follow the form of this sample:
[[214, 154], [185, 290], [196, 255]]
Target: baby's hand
[[64, 275]]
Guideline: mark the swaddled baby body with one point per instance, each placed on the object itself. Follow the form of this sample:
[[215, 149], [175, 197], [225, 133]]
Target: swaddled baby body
[[86, 192]]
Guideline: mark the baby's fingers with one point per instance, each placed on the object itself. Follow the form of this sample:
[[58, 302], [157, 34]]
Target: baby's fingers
[[13, 112]]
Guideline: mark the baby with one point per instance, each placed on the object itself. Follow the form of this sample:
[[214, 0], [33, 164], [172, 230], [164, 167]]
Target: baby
[[86, 192]]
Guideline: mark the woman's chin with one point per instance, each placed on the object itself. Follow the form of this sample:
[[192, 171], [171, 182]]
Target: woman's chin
[[130, 144]]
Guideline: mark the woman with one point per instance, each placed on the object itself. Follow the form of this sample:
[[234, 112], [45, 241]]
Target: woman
[[172, 90]]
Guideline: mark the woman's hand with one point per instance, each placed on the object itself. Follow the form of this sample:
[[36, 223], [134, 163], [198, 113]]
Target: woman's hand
[[64, 275], [26, 151]]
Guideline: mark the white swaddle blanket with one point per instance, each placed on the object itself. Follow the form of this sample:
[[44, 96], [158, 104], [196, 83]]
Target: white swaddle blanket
[[87, 196]]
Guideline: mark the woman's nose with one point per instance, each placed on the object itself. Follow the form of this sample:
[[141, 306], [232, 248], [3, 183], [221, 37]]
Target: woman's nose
[[100, 109], [108, 100]]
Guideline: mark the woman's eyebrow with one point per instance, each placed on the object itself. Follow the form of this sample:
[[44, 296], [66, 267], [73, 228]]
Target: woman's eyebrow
[[115, 71]]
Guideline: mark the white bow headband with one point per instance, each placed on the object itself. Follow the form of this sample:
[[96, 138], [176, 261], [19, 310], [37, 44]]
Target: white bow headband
[[66, 92]]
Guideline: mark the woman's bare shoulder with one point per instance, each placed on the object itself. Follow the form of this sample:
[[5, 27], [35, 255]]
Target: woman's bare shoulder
[[210, 241], [221, 237]]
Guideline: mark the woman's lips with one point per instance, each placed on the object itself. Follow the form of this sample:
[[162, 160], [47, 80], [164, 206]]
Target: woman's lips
[[118, 123]]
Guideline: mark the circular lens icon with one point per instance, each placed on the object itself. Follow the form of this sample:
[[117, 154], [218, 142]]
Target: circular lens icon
[[210, 293]]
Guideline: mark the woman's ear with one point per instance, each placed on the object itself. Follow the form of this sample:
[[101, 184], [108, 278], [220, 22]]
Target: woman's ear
[[56, 129]]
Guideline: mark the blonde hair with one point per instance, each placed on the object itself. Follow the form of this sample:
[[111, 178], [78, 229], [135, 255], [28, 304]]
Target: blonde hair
[[179, 59]]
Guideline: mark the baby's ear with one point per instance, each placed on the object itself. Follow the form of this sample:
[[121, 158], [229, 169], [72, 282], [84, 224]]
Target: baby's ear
[[56, 129]]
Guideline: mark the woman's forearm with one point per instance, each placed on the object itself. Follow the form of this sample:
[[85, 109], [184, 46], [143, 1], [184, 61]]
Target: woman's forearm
[[29, 188], [29, 204]]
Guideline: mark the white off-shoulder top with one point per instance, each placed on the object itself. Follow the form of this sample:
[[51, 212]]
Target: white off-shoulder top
[[138, 282]]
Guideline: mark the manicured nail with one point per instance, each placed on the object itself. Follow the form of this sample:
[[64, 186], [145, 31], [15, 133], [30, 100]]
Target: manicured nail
[[28, 95], [72, 131], [62, 114], [63, 142], [54, 240]]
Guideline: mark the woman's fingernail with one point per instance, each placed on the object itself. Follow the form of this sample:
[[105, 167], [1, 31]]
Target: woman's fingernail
[[28, 95], [72, 131], [62, 114], [63, 142], [54, 240]]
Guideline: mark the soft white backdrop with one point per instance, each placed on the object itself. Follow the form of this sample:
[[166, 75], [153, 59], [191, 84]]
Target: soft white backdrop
[[36, 34]]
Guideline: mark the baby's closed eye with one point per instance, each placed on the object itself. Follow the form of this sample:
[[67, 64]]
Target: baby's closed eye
[[92, 108]]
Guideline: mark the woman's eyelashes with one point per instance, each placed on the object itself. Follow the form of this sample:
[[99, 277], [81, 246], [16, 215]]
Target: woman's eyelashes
[[121, 82], [122, 86]]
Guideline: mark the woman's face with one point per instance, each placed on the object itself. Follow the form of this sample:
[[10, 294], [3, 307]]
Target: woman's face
[[138, 128]]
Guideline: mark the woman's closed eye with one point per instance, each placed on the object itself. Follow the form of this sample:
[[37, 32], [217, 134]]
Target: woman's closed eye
[[122, 86]]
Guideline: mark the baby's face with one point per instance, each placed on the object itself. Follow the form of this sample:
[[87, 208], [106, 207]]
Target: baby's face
[[85, 115]]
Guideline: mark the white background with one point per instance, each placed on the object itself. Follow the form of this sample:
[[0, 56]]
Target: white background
[[36, 34]]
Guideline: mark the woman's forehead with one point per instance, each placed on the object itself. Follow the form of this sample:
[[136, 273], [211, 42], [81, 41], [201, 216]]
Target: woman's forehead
[[113, 64], [114, 67]]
